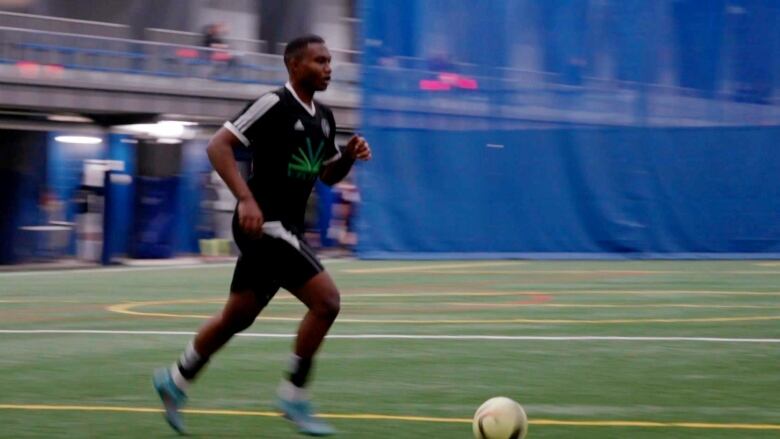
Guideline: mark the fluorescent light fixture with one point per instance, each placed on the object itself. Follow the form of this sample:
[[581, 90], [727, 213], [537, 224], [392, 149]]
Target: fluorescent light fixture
[[183, 123], [166, 129], [169, 141], [68, 118], [82, 140]]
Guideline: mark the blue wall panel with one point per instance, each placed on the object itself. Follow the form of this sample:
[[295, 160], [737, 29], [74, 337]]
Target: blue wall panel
[[195, 171], [568, 128], [632, 191], [154, 234]]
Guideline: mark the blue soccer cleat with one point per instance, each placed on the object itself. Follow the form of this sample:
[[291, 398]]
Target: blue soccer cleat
[[301, 414], [172, 398]]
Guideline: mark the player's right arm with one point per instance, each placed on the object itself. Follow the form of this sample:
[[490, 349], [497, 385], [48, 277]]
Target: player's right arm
[[236, 133], [220, 152]]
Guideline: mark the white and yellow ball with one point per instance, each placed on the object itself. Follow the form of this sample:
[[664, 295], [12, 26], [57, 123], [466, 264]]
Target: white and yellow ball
[[500, 418]]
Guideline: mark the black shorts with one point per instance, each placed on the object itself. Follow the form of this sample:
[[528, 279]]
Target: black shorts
[[277, 259]]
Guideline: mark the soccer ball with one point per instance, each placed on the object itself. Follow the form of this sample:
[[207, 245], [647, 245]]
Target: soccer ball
[[500, 418]]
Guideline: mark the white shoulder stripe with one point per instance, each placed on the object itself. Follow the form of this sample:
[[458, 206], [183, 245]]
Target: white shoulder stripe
[[232, 128], [256, 111]]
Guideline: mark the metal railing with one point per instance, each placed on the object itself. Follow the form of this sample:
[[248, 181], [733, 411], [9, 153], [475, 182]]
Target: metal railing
[[414, 86], [395, 83], [128, 56], [196, 39], [67, 25]]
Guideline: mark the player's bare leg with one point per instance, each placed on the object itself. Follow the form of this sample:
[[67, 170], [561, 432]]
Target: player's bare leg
[[238, 314], [321, 297], [171, 384]]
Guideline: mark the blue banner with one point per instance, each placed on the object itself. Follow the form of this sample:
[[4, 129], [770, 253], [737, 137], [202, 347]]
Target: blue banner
[[117, 215], [568, 128], [584, 192], [155, 217]]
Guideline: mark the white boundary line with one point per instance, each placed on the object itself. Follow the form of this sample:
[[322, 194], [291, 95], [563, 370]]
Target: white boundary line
[[443, 269], [76, 271], [407, 336], [67, 271]]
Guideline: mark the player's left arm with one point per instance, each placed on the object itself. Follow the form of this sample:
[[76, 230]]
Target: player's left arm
[[357, 149]]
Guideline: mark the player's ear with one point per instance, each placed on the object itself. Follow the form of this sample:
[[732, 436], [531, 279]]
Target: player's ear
[[292, 64]]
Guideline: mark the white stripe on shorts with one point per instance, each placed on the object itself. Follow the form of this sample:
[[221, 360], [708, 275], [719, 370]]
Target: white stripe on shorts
[[276, 229]]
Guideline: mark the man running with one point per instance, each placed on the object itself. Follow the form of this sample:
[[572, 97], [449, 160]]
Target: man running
[[292, 140]]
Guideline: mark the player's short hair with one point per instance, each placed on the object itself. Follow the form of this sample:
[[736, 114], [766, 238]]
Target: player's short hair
[[295, 48]]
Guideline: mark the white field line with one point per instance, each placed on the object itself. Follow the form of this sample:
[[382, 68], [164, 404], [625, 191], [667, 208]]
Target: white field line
[[417, 268], [422, 269], [77, 271], [406, 336]]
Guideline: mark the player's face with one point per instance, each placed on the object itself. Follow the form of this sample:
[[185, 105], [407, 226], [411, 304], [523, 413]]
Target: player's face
[[314, 68]]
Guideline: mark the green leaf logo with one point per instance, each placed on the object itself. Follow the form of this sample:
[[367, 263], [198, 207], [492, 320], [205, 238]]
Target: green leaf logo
[[306, 163]]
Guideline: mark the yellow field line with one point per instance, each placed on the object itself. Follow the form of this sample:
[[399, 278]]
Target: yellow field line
[[417, 268], [127, 308], [491, 321], [379, 417], [472, 321], [652, 424], [122, 310]]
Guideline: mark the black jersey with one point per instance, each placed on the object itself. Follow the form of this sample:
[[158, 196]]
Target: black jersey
[[289, 146]]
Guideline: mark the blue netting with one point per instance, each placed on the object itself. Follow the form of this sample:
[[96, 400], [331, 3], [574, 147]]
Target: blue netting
[[551, 127]]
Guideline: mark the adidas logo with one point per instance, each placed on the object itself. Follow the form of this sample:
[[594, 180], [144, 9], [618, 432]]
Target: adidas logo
[[299, 125]]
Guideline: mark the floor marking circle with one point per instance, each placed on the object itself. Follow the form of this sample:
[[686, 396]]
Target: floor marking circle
[[130, 308], [428, 337]]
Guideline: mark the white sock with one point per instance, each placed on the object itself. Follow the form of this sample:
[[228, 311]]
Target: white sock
[[293, 365], [190, 358], [182, 383], [290, 392]]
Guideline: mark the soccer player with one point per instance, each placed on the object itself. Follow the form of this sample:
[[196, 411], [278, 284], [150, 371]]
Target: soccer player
[[291, 138]]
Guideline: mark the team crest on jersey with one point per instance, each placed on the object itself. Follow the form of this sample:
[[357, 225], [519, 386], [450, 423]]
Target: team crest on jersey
[[325, 127]]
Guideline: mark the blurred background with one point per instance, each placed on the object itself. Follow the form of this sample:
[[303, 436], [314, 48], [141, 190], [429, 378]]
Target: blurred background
[[500, 128]]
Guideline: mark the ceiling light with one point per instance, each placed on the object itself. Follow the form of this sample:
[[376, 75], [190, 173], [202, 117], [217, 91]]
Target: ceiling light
[[183, 123], [83, 140], [68, 118], [160, 129]]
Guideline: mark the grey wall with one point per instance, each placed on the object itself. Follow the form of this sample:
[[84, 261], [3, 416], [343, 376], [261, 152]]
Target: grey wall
[[275, 21], [138, 14], [282, 20]]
